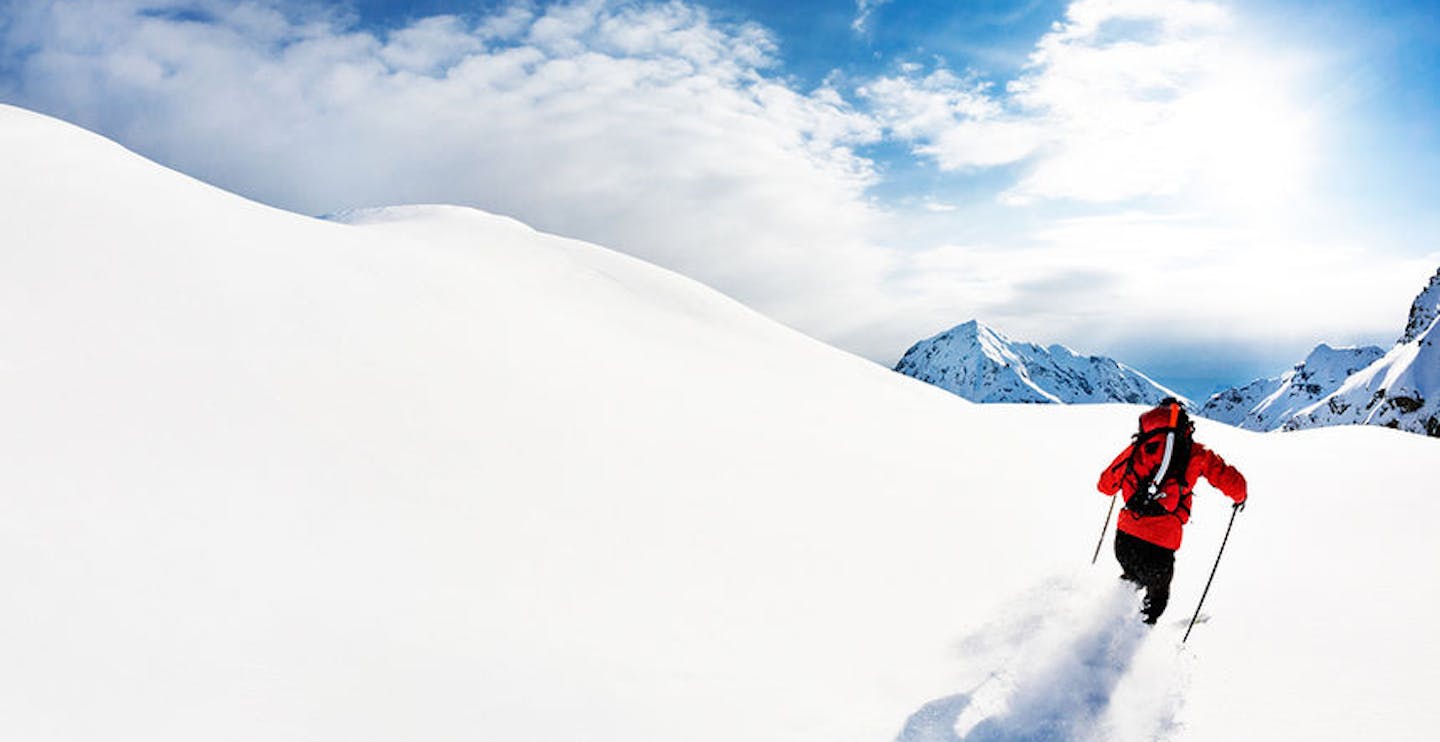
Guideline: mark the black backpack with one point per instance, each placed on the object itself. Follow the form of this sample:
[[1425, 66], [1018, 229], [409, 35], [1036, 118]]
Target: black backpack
[[1166, 433]]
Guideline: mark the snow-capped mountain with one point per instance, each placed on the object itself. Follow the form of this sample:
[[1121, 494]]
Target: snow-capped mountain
[[979, 363], [1400, 390], [1267, 404], [1350, 386], [1423, 310]]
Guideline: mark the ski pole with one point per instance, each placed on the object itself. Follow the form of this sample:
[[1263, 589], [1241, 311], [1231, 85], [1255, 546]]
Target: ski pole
[[1233, 512], [1103, 529]]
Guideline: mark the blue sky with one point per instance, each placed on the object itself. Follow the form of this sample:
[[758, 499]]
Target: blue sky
[[819, 36], [1204, 190]]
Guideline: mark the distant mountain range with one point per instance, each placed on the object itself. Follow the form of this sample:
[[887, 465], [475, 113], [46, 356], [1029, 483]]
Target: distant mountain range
[[1397, 388], [1368, 385], [1266, 404], [979, 363]]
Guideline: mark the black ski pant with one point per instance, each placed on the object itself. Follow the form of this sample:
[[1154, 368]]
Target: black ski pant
[[1149, 566]]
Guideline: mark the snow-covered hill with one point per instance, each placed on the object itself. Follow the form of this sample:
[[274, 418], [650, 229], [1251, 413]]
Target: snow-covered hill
[[1350, 386], [432, 475], [1268, 404], [979, 363]]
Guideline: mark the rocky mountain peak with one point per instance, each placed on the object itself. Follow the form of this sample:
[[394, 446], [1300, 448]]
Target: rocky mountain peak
[[1424, 310]]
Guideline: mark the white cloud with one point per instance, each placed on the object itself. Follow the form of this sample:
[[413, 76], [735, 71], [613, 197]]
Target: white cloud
[[650, 128], [1132, 278], [1121, 100], [430, 45], [864, 9], [646, 127]]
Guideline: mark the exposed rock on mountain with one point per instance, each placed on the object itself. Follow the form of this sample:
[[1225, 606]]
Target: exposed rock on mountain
[[1424, 310]]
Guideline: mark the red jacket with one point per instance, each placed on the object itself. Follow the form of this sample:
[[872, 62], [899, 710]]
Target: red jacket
[[1166, 530]]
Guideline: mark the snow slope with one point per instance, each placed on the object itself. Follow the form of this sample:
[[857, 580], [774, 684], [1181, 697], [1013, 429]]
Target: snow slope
[[431, 475], [981, 364], [1268, 404]]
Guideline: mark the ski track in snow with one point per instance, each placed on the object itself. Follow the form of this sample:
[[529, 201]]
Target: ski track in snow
[[1068, 660]]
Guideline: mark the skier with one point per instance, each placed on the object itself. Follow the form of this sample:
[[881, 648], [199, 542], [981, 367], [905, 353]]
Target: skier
[[1156, 473]]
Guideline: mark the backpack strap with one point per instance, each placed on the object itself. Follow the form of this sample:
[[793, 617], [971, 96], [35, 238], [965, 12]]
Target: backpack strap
[[1158, 477]]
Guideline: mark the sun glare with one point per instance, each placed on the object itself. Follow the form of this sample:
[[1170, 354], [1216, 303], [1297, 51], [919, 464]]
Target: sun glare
[[1251, 141]]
